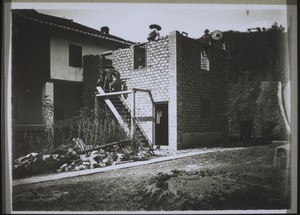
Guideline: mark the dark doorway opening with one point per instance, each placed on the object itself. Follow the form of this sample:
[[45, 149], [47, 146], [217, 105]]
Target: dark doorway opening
[[161, 124], [246, 129]]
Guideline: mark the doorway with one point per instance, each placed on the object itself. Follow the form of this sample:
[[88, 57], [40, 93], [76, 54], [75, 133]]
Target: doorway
[[161, 124]]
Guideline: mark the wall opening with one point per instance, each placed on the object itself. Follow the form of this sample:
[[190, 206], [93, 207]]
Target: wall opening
[[75, 56], [139, 56], [161, 124], [204, 60]]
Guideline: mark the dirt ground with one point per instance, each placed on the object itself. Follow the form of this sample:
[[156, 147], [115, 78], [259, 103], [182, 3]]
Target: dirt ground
[[242, 178]]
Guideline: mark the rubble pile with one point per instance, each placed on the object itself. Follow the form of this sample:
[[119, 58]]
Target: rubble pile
[[77, 157]]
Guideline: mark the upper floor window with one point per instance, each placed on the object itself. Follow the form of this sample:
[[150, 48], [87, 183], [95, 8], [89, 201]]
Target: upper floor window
[[75, 56], [139, 56], [204, 60]]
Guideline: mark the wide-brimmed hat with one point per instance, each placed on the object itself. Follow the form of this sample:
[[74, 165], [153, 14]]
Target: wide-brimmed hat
[[155, 26]]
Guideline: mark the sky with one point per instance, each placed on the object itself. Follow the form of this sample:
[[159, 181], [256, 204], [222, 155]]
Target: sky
[[131, 21]]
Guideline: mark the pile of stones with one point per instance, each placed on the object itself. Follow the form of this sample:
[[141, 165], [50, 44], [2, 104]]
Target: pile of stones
[[77, 157]]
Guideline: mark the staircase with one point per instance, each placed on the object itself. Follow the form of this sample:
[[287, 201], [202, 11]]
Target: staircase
[[123, 114]]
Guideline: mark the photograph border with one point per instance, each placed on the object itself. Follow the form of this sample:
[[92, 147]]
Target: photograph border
[[6, 96]]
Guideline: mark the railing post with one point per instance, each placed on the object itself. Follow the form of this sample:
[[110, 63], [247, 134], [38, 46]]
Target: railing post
[[133, 114], [153, 123]]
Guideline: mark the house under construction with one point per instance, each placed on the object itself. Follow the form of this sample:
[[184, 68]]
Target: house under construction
[[175, 90]]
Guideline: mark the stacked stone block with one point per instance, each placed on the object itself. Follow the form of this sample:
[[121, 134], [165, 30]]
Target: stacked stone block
[[195, 85], [173, 74], [154, 77]]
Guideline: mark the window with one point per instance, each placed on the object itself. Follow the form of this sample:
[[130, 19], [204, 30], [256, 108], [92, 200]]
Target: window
[[139, 56], [204, 60], [205, 106], [75, 56]]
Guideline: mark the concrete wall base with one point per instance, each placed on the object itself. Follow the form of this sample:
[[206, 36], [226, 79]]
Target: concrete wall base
[[202, 139]]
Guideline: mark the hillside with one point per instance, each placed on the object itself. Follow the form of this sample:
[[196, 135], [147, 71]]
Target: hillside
[[258, 55], [257, 63]]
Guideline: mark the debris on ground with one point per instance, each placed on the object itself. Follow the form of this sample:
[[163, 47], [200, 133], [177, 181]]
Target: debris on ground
[[77, 157]]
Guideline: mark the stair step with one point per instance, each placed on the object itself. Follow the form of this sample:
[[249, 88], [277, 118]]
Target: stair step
[[119, 105], [121, 109]]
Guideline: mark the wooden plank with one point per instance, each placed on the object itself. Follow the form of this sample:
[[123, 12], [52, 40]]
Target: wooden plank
[[108, 145], [114, 111], [132, 115], [142, 90], [114, 93]]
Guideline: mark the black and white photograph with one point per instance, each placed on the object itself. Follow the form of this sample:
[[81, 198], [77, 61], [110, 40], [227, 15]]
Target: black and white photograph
[[155, 107]]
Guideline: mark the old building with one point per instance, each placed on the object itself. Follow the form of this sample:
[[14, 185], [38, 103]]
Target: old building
[[47, 68], [178, 89]]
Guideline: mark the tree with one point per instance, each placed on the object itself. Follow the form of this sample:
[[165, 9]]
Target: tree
[[262, 53]]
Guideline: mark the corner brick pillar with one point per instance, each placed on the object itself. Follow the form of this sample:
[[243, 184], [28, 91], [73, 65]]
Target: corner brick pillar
[[173, 91]]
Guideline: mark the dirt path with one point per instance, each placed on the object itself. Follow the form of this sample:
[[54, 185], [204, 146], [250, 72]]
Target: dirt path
[[229, 175]]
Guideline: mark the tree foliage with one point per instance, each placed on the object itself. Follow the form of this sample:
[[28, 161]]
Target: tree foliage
[[260, 54]]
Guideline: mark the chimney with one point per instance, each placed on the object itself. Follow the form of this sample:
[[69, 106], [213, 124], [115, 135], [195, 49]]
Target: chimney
[[105, 30]]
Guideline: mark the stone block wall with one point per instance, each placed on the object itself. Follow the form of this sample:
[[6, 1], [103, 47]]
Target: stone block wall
[[195, 85], [154, 77], [173, 74]]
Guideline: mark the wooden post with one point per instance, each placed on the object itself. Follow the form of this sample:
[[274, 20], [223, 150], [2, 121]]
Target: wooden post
[[133, 114], [153, 124]]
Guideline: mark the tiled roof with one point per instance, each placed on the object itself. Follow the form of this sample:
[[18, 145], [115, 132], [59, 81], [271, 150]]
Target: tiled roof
[[66, 24]]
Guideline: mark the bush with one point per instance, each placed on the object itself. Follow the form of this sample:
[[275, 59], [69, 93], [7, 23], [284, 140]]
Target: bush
[[94, 128], [26, 140]]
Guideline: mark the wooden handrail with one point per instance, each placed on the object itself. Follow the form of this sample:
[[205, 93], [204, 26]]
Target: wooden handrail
[[114, 93]]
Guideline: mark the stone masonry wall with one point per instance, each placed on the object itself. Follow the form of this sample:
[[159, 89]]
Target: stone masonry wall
[[195, 85], [173, 74], [154, 77]]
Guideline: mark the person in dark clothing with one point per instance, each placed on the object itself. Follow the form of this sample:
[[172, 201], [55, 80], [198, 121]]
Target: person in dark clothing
[[154, 33], [117, 82]]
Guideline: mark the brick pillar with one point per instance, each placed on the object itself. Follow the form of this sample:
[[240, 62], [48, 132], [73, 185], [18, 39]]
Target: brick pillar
[[173, 91]]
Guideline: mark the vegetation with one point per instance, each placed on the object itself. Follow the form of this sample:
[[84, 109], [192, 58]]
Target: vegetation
[[94, 128], [258, 55], [255, 56]]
